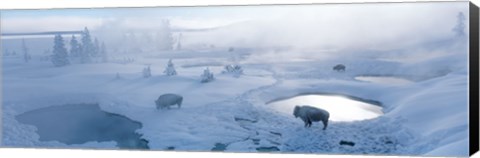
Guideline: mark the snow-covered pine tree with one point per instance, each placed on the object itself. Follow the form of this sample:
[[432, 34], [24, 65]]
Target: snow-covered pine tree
[[179, 46], [103, 53], [179, 42], [236, 70], [117, 76], [87, 47], [459, 28], [26, 56], [147, 72], [170, 70], [60, 56], [75, 48], [96, 48], [207, 76], [6, 53], [164, 36]]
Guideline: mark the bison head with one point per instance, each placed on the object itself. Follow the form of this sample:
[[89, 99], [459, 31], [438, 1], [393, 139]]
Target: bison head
[[295, 111]]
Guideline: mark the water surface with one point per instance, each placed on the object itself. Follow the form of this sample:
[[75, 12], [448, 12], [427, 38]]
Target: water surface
[[340, 108], [81, 123]]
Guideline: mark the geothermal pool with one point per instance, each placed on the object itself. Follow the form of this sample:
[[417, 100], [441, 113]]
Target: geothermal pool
[[340, 108], [82, 123]]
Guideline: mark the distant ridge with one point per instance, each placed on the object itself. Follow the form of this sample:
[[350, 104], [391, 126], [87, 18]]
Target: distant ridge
[[41, 33]]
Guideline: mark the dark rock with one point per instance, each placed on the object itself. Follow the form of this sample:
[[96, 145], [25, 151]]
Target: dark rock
[[244, 119], [349, 143], [267, 149], [219, 147], [276, 133]]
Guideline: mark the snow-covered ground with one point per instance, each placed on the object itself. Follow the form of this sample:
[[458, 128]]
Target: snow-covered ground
[[408, 61], [426, 117]]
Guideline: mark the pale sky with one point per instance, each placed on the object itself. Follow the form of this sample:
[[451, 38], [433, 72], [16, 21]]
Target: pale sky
[[333, 25], [59, 19]]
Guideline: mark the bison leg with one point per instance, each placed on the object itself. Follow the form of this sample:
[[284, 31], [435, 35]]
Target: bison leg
[[325, 124], [309, 122], [180, 102]]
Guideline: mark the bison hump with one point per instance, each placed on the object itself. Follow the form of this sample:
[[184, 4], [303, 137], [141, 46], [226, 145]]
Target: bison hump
[[169, 95]]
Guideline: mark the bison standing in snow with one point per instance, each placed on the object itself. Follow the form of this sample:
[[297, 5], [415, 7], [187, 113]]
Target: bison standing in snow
[[167, 100], [339, 67], [311, 114]]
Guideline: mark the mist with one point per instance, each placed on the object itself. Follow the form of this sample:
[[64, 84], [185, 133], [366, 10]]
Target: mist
[[297, 28]]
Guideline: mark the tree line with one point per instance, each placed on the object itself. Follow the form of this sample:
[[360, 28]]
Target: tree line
[[84, 51]]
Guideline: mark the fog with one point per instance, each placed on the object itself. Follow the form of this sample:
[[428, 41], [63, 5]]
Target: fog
[[374, 26]]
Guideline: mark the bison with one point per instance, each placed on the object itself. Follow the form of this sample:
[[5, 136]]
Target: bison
[[311, 114], [167, 100], [339, 67]]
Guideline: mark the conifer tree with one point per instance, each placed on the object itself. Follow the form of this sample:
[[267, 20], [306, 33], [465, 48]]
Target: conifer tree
[[87, 47], [60, 56], [75, 48], [170, 70], [26, 55]]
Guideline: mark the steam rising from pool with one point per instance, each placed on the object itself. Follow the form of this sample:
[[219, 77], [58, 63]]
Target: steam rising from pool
[[340, 108]]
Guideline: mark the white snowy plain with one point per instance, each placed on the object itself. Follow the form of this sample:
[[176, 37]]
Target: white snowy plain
[[426, 117]]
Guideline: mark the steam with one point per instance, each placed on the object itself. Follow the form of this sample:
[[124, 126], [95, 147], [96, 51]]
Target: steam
[[375, 26]]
